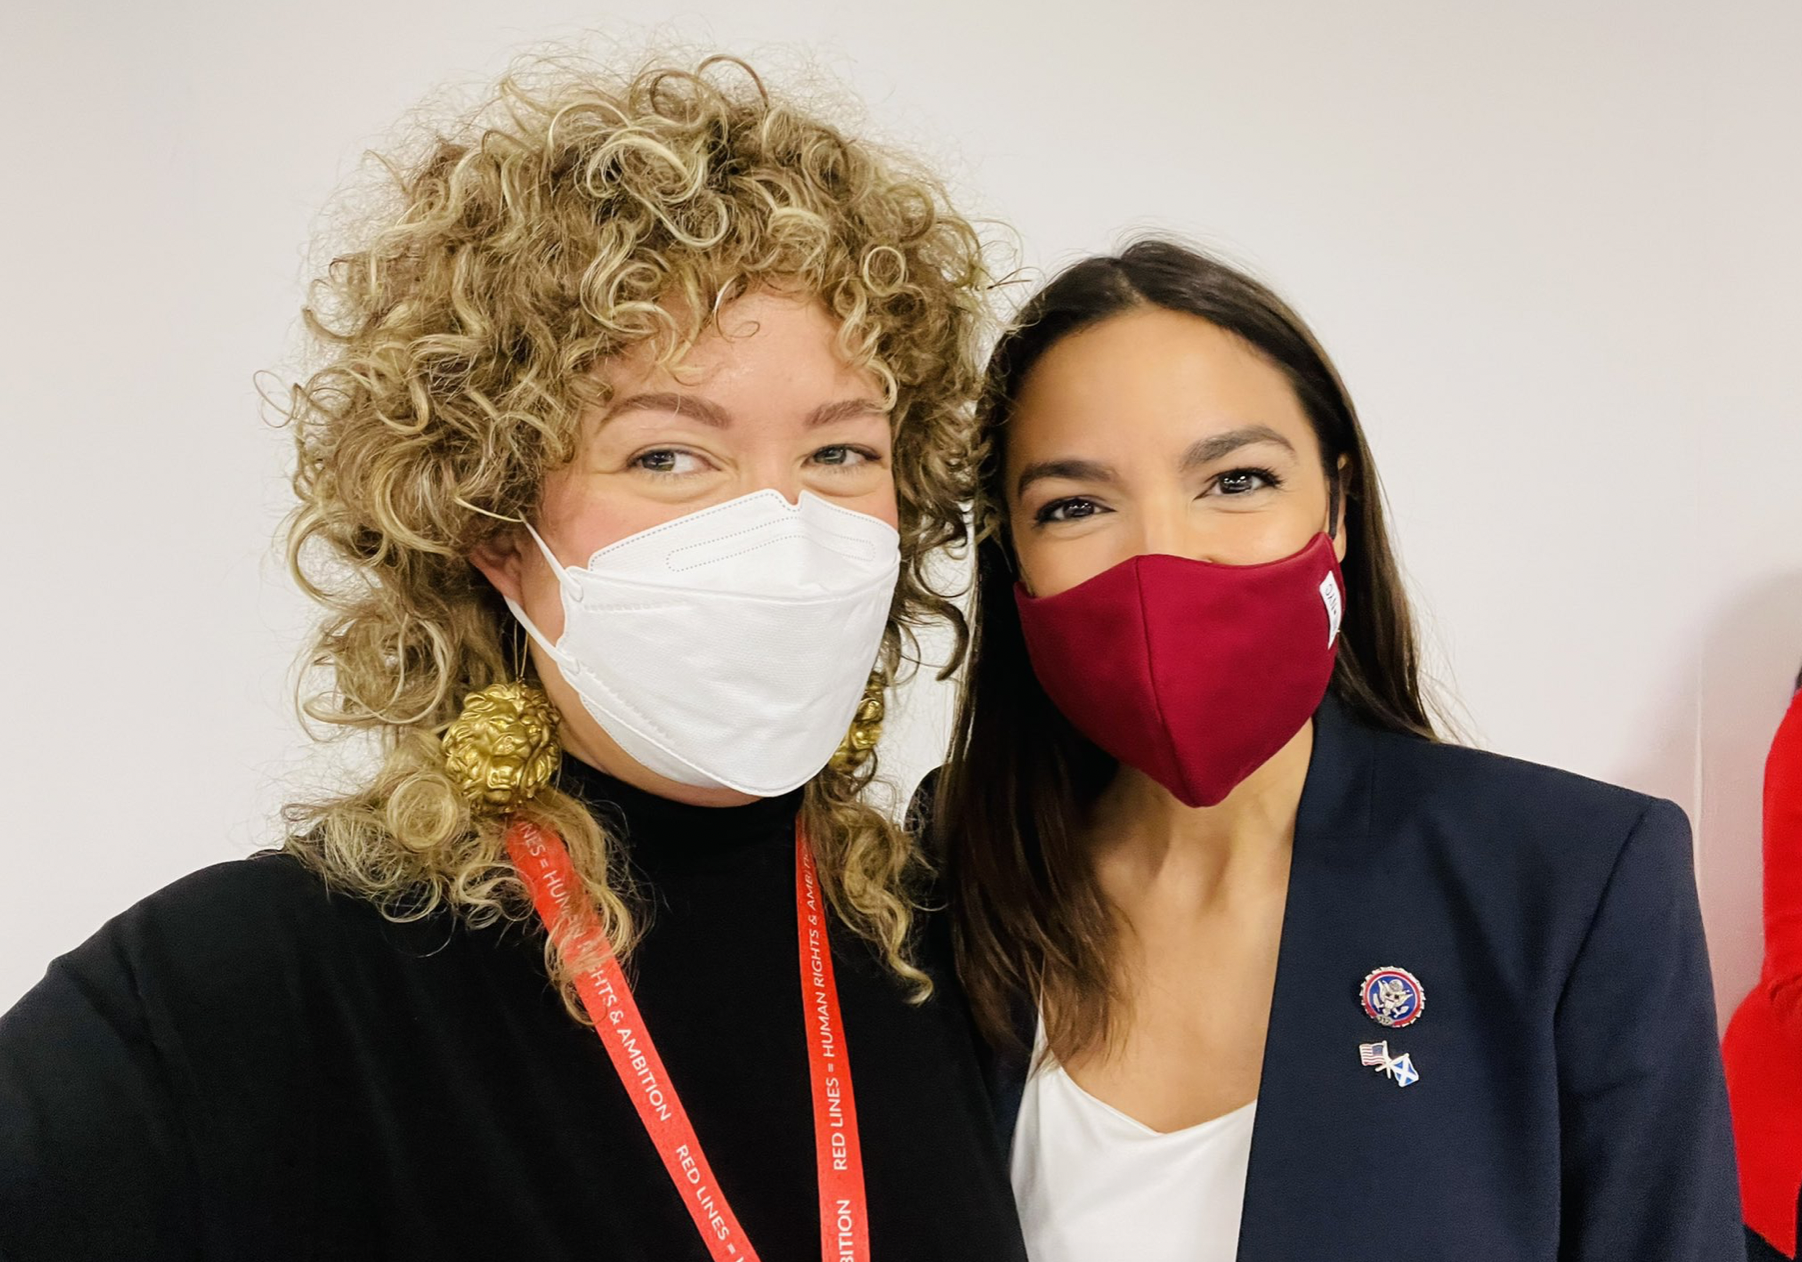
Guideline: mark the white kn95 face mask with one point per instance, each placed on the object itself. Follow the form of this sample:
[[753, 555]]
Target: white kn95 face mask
[[729, 648]]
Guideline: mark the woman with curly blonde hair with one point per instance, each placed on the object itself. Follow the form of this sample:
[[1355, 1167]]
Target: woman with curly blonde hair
[[636, 416]]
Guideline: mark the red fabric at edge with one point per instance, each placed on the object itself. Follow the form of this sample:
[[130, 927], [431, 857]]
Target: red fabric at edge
[[1763, 1045]]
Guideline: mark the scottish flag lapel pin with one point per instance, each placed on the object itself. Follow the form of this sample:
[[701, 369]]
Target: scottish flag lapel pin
[[1399, 1068]]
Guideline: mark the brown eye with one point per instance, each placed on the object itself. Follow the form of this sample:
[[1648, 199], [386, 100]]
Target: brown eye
[[1244, 481], [1074, 508]]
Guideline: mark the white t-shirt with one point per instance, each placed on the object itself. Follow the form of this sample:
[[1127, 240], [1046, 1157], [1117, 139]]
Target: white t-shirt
[[1093, 1185]]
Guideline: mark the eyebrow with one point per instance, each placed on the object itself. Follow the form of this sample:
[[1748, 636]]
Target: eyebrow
[[1200, 452], [704, 410], [1208, 450], [1072, 469], [843, 410], [710, 413]]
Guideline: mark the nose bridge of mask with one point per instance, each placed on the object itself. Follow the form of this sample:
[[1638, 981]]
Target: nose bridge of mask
[[802, 547], [756, 543], [1166, 628], [799, 537]]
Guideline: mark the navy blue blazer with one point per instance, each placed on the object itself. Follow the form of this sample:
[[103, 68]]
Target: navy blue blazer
[[1570, 1102]]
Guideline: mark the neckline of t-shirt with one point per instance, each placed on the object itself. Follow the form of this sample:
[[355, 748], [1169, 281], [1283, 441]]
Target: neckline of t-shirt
[[1193, 1132], [1050, 1065]]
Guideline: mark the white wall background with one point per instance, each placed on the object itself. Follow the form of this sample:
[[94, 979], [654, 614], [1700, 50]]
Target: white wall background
[[1554, 248]]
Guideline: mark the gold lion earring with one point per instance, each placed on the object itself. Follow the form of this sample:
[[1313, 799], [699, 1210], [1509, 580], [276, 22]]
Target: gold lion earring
[[503, 748], [866, 727]]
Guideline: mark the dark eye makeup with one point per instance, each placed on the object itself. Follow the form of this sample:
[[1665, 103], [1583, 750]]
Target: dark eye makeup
[[1244, 481], [1230, 484], [1070, 508]]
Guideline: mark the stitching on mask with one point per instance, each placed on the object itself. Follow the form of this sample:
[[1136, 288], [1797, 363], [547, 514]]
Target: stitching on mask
[[750, 598], [662, 606], [884, 583], [1151, 680], [600, 555], [742, 552], [794, 514], [868, 549], [632, 716]]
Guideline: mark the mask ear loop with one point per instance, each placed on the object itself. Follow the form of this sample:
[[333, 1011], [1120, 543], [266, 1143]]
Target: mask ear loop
[[550, 558], [564, 581], [518, 642]]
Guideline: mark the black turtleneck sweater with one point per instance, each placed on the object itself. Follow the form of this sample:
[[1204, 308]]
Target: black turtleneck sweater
[[247, 1065]]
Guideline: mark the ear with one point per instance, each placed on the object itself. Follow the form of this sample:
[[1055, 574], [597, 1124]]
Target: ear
[[1341, 476], [502, 562]]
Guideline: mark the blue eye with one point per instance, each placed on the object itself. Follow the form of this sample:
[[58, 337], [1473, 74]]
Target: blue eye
[[667, 462], [843, 455]]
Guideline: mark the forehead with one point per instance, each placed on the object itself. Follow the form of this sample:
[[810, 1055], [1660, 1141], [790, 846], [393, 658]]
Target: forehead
[[1150, 377], [766, 337]]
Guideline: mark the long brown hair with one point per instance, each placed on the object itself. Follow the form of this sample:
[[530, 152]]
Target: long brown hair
[[1029, 918]]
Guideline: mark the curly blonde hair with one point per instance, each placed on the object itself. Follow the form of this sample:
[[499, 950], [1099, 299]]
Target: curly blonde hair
[[576, 214]]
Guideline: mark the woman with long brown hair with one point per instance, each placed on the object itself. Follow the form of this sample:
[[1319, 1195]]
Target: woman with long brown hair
[[673, 378], [1271, 971]]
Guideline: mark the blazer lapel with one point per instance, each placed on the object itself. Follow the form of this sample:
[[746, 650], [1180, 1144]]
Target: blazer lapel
[[1322, 1113]]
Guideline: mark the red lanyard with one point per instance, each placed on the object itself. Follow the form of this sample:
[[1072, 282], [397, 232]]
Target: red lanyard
[[543, 863]]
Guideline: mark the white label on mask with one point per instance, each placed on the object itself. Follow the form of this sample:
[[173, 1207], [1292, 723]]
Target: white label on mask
[[1329, 596]]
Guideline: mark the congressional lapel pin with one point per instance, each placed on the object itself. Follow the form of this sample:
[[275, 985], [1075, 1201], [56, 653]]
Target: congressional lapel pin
[[1399, 1068], [1392, 997]]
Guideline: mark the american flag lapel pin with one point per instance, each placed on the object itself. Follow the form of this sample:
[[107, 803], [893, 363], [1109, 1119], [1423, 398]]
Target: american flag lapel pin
[[1399, 1068]]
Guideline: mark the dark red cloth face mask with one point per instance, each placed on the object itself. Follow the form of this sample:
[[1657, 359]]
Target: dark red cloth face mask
[[1195, 673]]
